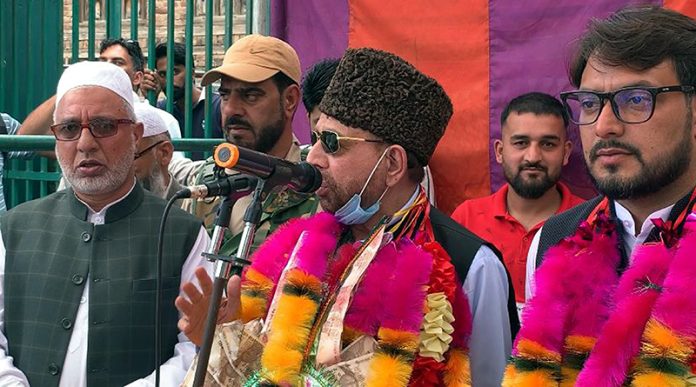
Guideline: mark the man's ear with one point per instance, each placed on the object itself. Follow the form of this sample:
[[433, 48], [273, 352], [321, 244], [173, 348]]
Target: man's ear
[[165, 150], [138, 79], [138, 131], [291, 99], [498, 149], [567, 150], [397, 164]]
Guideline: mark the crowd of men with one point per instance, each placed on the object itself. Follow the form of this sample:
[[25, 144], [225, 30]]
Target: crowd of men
[[530, 286]]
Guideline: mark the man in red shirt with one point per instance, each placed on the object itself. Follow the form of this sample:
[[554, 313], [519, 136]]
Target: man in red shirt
[[533, 149]]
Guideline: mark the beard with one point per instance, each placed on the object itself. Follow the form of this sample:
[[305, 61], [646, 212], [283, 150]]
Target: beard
[[111, 180], [652, 176], [264, 138], [178, 93], [336, 197], [530, 188], [155, 182]]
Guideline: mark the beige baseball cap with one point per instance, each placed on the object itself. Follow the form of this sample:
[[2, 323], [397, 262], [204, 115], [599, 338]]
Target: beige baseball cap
[[255, 58]]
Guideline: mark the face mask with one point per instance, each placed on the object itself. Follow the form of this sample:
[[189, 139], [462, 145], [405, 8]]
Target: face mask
[[352, 212]]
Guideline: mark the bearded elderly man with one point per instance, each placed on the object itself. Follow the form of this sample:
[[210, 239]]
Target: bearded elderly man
[[154, 153], [78, 266], [433, 299]]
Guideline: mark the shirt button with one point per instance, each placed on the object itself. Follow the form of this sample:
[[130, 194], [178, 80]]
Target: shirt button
[[86, 237], [66, 323], [53, 369], [83, 299], [78, 279], [627, 224]]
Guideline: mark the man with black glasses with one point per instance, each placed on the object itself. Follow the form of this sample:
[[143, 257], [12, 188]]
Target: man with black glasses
[[614, 300], [78, 267]]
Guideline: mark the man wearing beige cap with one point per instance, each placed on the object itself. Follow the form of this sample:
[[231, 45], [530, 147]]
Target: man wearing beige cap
[[154, 153], [259, 87], [78, 267]]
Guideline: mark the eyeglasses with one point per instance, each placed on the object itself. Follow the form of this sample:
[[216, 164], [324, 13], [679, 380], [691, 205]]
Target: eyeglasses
[[331, 141], [631, 105], [142, 152], [98, 127]]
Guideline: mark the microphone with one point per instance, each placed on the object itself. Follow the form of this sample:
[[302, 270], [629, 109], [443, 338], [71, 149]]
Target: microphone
[[238, 185], [301, 177]]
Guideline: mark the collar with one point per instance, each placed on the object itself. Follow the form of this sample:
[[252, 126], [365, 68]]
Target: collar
[[500, 200], [294, 154], [201, 97], [566, 197], [112, 212], [402, 211], [626, 219]]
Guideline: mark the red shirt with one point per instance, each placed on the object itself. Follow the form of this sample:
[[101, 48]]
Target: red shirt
[[488, 218]]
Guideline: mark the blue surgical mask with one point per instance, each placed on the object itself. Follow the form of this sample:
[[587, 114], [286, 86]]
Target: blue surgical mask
[[352, 212]]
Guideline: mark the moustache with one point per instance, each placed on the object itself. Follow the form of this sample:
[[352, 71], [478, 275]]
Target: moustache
[[612, 143], [532, 166], [235, 121]]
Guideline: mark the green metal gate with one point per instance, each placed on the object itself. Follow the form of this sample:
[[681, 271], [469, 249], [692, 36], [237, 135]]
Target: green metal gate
[[32, 59]]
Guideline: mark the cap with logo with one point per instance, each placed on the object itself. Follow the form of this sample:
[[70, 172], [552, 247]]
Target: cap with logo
[[255, 58]]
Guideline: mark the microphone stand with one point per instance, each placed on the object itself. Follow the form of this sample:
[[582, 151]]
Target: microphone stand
[[225, 267]]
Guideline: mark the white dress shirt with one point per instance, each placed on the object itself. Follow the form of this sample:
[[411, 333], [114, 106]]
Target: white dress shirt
[[74, 371], [486, 287], [630, 239]]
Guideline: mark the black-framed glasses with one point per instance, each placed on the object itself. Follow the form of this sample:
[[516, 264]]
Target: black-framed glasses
[[142, 152], [331, 141], [98, 127], [631, 105]]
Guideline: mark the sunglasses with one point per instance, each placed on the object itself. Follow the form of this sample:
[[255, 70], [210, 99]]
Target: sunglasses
[[331, 141]]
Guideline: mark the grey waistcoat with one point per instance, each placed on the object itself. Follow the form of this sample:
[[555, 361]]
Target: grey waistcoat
[[52, 251]]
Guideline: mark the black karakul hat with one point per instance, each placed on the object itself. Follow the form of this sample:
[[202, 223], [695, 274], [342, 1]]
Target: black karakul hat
[[379, 92]]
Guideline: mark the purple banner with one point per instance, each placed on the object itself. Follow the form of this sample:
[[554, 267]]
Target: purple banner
[[531, 43], [317, 29]]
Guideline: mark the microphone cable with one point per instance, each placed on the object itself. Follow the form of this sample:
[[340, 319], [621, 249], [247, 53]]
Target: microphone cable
[[158, 287]]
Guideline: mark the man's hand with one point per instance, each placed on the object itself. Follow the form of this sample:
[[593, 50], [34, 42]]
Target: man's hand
[[194, 307], [151, 82]]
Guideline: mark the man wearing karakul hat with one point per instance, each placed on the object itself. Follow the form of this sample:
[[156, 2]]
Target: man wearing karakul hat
[[381, 120], [78, 266]]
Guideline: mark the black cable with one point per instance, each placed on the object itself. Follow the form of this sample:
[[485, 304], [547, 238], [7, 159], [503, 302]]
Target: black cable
[[158, 291]]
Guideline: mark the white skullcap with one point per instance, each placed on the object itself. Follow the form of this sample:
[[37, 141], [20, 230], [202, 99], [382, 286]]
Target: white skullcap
[[152, 121], [102, 74]]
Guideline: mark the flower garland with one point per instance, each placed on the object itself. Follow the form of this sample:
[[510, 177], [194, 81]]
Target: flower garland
[[301, 293], [586, 261], [641, 332], [398, 334], [429, 368], [667, 350], [423, 276]]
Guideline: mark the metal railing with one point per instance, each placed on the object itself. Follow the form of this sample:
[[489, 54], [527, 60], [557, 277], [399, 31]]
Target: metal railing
[[25, 180], [114, 29], [29, 179]]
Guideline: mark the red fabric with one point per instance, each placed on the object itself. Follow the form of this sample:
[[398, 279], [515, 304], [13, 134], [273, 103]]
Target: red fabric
[[488, 218], [447, 40]]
